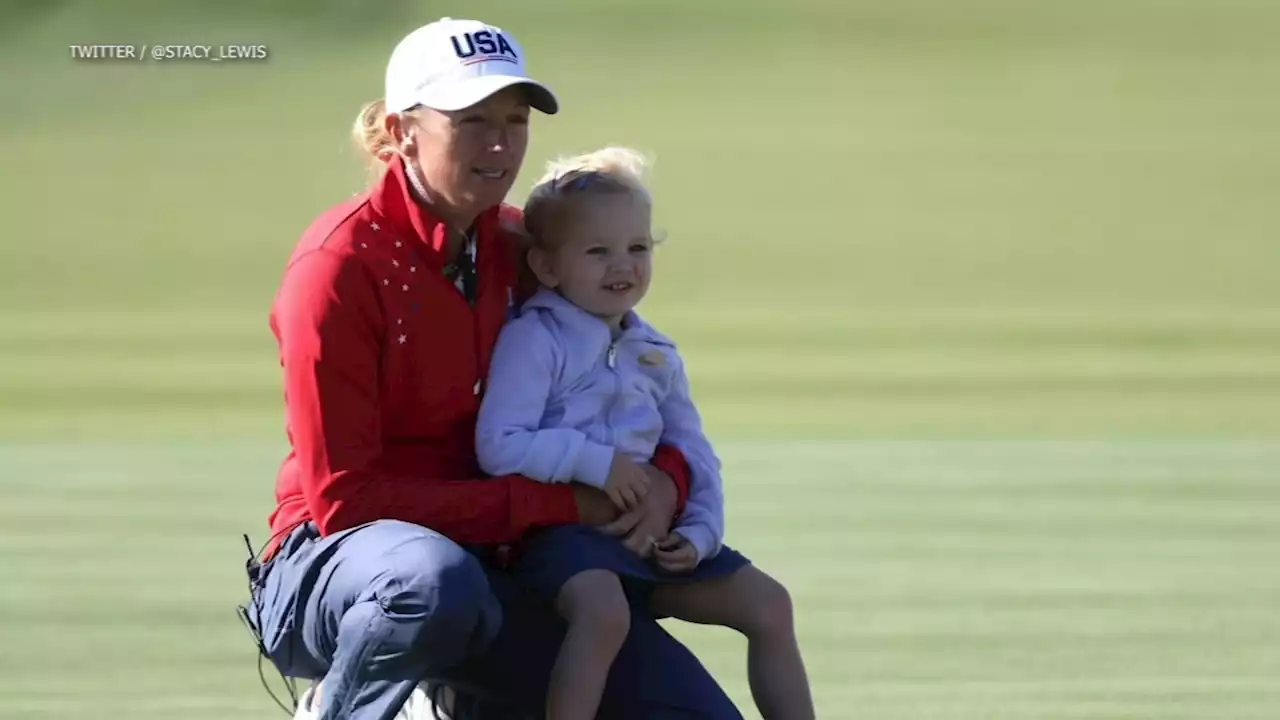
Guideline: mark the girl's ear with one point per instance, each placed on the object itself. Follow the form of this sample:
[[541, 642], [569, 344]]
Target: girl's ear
[[542, 267]]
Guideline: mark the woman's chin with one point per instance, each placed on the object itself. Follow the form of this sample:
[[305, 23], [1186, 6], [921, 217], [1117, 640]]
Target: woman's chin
[[486, 192]]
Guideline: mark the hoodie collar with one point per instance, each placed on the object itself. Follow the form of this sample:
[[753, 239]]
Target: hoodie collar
[[393, 199], [634, 327]]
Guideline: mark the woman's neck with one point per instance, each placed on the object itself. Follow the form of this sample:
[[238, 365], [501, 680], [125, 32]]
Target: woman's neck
[[457, 228]]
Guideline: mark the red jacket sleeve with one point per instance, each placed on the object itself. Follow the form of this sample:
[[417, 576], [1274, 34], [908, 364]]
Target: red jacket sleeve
[[328, 325], [670, 461]]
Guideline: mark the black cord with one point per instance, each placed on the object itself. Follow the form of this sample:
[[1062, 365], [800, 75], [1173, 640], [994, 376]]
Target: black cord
[[253, 567], [263, 678], [290, 685]]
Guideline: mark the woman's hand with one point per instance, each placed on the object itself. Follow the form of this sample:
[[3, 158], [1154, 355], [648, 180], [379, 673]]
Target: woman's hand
[[643, 527], [594, 506]]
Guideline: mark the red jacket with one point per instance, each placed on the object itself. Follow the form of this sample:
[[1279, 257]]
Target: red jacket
[[384, 362]]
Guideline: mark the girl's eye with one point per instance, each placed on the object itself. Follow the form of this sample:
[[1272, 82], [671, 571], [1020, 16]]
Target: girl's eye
[[597, 250], [639, 248]]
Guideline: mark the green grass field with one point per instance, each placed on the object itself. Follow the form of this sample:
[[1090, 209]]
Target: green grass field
[[981, 301]]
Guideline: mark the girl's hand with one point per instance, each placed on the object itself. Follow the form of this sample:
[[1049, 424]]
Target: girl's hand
[[675, 554], [643, 527], [627, 483]]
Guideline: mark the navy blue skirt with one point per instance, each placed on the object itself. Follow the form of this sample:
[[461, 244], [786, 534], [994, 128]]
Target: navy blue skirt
[[549, 557]]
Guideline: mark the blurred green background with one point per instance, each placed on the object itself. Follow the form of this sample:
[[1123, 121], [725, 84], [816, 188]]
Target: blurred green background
[[981, 300]]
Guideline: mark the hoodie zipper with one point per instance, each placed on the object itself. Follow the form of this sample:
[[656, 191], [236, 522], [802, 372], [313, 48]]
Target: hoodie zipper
[[610, 361]]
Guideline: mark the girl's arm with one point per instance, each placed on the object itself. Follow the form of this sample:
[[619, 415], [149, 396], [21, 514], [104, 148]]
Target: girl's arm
[[702, 521], [509, 439]]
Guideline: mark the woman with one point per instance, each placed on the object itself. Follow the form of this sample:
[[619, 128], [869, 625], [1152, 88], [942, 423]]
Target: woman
[[383, 567]]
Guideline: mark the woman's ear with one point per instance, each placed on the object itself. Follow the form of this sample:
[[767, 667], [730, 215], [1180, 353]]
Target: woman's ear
[[400, 128], [540, 262]]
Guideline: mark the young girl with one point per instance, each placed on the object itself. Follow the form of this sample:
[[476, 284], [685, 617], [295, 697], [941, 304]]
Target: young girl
[[581, 389]]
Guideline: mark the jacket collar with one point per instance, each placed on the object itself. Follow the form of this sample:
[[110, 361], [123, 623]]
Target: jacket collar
[[577, 320], [392, 198]]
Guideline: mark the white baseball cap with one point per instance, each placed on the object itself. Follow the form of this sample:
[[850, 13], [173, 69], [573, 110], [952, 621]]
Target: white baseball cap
[[453, 64]]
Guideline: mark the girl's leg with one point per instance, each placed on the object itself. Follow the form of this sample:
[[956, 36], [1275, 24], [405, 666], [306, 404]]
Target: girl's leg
[[759, 607], [655, 676], [599, 617]]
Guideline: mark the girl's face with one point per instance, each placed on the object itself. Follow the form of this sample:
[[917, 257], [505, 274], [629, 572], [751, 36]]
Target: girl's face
[[600, 258]]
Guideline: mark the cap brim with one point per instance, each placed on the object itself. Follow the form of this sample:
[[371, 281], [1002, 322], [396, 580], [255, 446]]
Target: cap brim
[[464, 94]]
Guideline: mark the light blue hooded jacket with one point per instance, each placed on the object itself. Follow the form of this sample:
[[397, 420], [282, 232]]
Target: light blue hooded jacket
[[562, 394]]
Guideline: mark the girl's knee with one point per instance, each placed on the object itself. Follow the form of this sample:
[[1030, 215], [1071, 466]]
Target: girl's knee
[[595, 599], [769, 610]]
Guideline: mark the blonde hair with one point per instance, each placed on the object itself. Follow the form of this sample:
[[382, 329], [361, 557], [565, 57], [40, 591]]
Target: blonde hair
[[370, 134], [610, 170]]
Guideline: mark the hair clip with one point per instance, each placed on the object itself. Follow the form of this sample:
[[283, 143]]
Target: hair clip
[[583, 181]]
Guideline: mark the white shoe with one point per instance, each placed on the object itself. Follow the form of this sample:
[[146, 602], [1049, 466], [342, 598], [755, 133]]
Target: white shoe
[[417, 707], [420, 707], [307, 709]]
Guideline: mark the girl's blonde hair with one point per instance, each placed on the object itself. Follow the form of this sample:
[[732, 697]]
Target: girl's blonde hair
[[611, 170]]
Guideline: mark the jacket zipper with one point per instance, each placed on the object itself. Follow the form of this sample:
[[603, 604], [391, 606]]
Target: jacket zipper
[[610, 360]]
